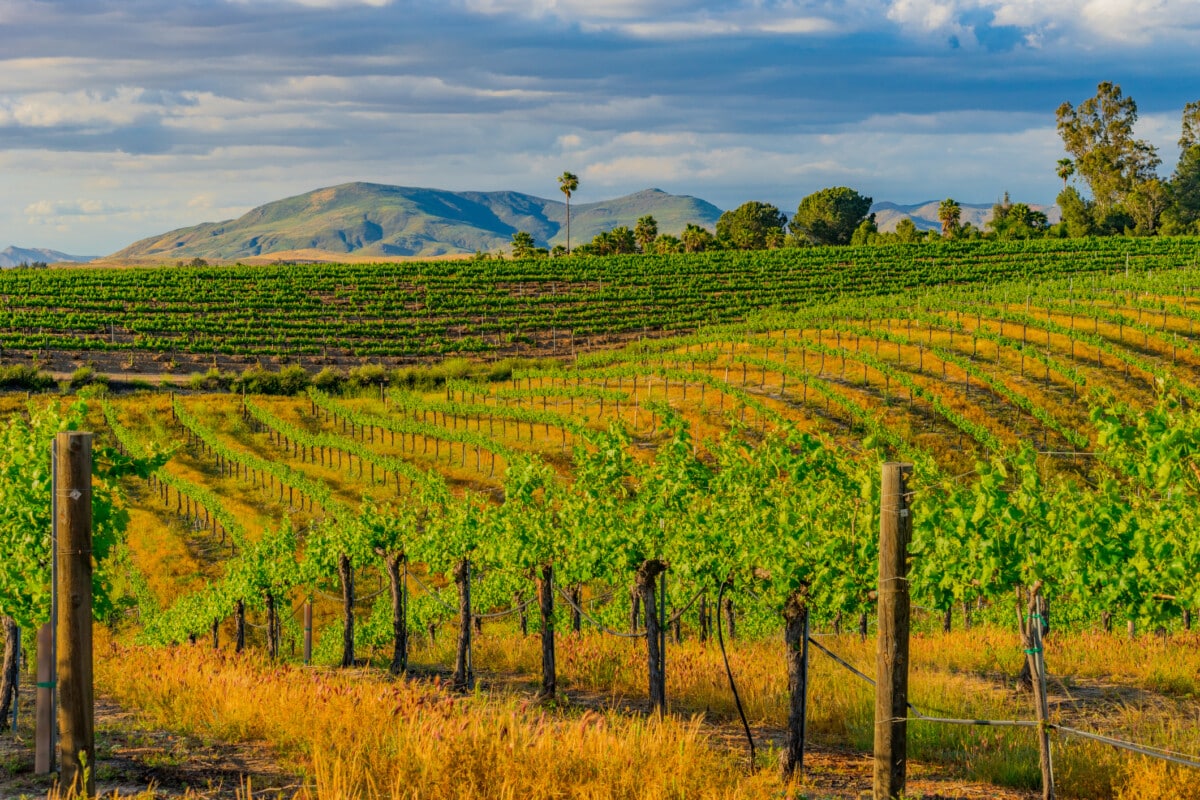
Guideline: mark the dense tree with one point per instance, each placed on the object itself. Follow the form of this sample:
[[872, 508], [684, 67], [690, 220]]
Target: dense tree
[[666, 244], [696, 239], [950, 215], [1183, 216], [1077, 220], [1017, 221], [829, 216], [567, 183], [1146, 204], [752, 226], [618, 241], [523, 245], [1066, 168], [1190, 135], [1099, 134], [866, 233], [645, 232], [907, 231]]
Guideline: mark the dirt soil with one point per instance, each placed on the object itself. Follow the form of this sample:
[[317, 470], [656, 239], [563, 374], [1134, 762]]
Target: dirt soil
[[131, 758]]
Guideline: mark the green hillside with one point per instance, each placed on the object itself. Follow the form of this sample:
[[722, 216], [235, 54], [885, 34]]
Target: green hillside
[[367, 219]]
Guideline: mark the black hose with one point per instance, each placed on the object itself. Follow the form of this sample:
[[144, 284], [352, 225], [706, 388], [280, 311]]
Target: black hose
[[729, 672]]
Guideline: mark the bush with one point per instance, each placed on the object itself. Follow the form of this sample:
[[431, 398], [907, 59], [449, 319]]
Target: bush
[[21, 377], [329, 380], [368, 375], [256, 380], [293, 379], [85, 376], [212, 381]]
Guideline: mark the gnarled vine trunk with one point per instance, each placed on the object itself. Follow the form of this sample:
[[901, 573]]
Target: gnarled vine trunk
[[545, 590], [577, 601], [240, 626], [647, 576], [272, 642], [393, 562], [9, 671], [464, 677], [346, 573], [635, 608], [795, 635]]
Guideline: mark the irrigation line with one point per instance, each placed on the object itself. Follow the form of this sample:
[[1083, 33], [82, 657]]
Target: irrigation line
[[737, 699], [597, 622], [433, 593], [498, 614], [678, 614], [1145, 750], [357, 598]]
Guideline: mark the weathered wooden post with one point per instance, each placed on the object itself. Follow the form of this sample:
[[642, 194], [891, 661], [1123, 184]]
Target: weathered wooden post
[[307, 632], [43, 755], [73, 511], [891, 649]]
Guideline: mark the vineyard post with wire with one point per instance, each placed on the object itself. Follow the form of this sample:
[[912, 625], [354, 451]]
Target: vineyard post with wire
[[73, 523], [891, 649]]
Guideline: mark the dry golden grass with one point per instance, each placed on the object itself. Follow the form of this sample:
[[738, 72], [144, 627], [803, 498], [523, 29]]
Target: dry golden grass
[[361, 737]]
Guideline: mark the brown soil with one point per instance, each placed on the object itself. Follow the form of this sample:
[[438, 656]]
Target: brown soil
[[131, 758]]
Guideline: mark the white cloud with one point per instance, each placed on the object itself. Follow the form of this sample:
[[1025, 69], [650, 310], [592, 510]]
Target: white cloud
[[1134, 22], [122, 106]]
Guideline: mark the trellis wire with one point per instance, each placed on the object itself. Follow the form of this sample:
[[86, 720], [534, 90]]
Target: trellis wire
[[1145, 750]]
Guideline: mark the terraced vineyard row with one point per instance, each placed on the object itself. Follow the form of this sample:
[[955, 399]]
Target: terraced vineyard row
[[1051, 425], [327, 315]]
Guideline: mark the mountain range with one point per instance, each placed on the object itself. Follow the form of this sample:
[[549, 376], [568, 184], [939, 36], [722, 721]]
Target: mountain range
[[371, 221], [15, 256], [375, 220], [925, 215]]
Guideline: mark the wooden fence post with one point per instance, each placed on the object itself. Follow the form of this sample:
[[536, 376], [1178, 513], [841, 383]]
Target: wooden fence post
[[307, 632], [76, 709], [891, 649], [43, 758]]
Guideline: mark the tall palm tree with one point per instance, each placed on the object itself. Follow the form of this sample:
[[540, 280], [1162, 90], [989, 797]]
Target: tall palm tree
[[568, 183], [1066, 168], [949, 214], [646, 231]]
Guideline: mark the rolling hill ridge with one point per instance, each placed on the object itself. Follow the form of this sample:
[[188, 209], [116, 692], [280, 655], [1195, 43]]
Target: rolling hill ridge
[[368, 219]]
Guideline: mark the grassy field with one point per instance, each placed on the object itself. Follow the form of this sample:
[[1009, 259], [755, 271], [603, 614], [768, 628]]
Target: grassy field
[[951, 378]]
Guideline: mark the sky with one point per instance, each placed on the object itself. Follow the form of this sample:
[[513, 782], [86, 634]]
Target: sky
[[121, 119]]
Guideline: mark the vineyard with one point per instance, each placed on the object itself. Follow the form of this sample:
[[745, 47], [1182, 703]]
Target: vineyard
[[154, 321], [612, 524]]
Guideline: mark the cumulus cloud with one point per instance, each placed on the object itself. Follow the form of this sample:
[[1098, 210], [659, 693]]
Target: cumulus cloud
[[157, 115]]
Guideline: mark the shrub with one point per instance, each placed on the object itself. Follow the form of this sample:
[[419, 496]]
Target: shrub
[[22, 377]]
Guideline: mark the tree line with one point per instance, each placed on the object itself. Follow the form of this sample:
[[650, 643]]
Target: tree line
[[1124, 197]]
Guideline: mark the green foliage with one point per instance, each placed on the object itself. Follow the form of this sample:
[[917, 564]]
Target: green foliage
[[25, 519], [523, 245], [829, 216], [752, 226], [24, 378], [1099, 134]]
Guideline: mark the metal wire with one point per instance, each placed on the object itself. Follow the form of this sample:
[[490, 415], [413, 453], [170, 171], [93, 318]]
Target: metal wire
[[597, 622]]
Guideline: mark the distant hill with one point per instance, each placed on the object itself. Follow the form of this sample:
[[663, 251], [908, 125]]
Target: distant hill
[[375, 220], [15, 256], [925, 215]]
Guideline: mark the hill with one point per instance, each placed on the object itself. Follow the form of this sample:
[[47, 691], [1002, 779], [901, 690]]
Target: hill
[[14, 256], [375, 220], [925, 215]]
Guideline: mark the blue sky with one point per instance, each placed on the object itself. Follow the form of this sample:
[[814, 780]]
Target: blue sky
[[123, 119]]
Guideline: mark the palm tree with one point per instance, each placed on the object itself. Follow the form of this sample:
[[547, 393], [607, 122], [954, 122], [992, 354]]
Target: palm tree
[[1066, 168], [568, 183], [646, 231], [949, 214]]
